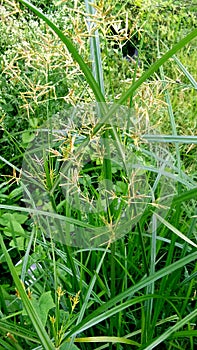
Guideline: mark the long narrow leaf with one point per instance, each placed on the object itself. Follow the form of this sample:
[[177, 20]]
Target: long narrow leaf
[[97, 316], [185, 196], [76, 56], [106, 339], [185, 71], [89, 77], [152, 69], [170, 139], [95, 50], [42, 334], [20, 331], [175, 230], [171, 330], [90, 288], [52, 215]]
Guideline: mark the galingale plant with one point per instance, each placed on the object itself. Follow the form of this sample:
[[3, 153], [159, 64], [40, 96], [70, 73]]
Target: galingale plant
[[121, 284]]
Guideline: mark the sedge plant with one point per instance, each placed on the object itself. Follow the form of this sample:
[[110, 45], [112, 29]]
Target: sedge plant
[[133, 290]]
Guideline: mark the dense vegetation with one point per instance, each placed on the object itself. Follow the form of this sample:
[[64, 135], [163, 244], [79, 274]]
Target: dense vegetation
[[98, 175]]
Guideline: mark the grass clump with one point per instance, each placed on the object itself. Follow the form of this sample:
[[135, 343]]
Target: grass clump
[[98, 243]]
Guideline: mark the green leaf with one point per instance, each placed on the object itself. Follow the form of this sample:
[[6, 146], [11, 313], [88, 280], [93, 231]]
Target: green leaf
[[172, 330], [19, 243], [106, 339], [11, 222], [103, 311], [19, 331], [175, 230], [184, 334], [185, 196], [43, 306], [68, 346], [35, 319], [27, 136], [95, 50], [15, 193], [170, 139], [153, 68], [21, 218], [121, 187], [185, 71], [76, 56]]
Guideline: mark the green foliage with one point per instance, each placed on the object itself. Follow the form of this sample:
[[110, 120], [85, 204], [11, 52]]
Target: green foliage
[[135, 292]]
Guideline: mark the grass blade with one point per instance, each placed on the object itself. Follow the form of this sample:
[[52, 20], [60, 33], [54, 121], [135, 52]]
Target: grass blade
[[153, 68], [95, 48], [106, 339], [89, 77], [171, 138], [19, 331], [76, 56], [99, 315], [175, 230], [43, 336], [171, 330]]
